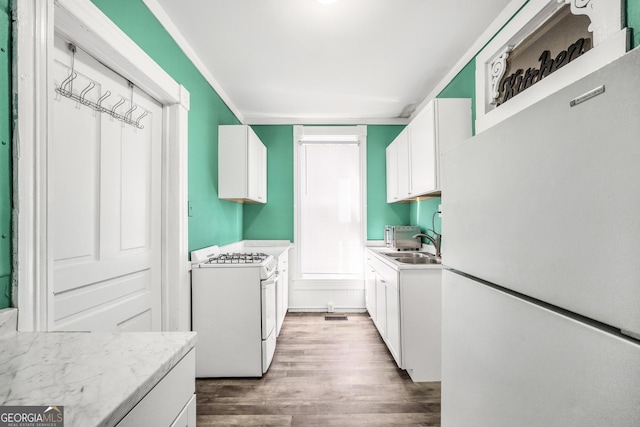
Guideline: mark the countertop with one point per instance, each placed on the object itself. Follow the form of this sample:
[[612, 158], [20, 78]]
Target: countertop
[[271, 247], [97, 376], [379, 250]]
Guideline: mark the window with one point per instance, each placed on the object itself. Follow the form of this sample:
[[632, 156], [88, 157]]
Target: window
[[330, 213]]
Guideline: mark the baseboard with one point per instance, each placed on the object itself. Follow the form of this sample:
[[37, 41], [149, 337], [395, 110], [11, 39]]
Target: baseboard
[[324, 310]]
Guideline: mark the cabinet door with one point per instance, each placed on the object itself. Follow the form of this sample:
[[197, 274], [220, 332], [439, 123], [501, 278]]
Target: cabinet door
[[370, 292], [393, 319], [167, 399], [282, 291], [283, 266], [233, 162], [381, 306], [262, 173], [403, 166], [187, 417], [392, 172], [253, 165], [423, 152]]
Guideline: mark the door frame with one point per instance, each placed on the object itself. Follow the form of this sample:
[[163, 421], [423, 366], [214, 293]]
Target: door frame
[[91, 30]]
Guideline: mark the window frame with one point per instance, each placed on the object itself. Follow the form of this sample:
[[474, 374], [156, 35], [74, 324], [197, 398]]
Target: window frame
[[349, 134]]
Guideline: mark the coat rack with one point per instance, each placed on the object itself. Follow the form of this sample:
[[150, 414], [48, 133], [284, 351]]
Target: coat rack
[[66, 90]]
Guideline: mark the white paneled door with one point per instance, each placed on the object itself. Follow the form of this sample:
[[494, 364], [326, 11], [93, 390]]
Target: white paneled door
[[105, 202]]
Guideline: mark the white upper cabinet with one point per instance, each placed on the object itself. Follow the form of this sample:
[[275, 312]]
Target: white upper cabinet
[[404, 182], [242, 165], [415, 170], [422, 173], [398, 160]]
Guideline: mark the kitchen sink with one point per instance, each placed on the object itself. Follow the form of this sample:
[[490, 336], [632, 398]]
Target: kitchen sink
[[409, 254], [414, 257], [420, 260]]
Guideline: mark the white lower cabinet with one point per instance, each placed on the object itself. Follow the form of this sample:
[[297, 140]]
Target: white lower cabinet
[[405, 306], [381, 307], [187, 417], [282, 290], [370, 290], [393, 320], [171, 402], [387, 316]]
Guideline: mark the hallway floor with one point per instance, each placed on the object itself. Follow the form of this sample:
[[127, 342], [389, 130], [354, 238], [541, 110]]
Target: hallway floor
[[324, 373]]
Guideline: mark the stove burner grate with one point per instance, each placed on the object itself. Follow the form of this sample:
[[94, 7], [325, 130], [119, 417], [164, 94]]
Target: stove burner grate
[[238, 258]]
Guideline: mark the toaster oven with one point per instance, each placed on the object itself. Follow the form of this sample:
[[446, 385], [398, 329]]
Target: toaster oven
[[401, 237]]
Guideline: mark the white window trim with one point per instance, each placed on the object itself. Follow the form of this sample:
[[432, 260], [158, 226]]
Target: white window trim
[[82, 22], [299, 133], [611, 41]]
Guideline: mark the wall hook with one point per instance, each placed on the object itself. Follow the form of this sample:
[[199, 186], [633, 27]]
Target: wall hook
[[127, 115], [66, 82], [84, 92], [102, 98], [143, 115], [113, 109]]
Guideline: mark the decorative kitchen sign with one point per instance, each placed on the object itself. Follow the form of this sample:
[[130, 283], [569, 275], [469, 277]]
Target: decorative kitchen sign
[[559, 41], [547, 45]]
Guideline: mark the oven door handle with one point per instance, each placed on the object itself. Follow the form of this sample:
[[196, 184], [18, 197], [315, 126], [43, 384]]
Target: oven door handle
[[271, 280]]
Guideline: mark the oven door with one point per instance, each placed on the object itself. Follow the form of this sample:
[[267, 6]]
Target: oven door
[[269, 305]]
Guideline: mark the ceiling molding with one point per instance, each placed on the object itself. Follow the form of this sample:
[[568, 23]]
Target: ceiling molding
[[164, 19], [493, 29], [323, 121]]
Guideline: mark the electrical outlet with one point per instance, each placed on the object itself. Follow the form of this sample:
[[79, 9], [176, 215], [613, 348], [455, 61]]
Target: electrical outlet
[[189, 209], [330, 307], [440, 211]]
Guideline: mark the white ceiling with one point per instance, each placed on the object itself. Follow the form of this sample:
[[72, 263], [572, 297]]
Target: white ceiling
[[300, 61]]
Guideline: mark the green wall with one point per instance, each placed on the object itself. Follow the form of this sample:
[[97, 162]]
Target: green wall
[[379, 212], [633, 21], [422, 214], [212, 221], [274, 220], [5, 154]]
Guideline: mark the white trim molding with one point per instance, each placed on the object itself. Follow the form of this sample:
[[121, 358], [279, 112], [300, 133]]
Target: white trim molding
[[83, 23], [303, 288], [498, 68], [610, 40], [33, 35], [607, 16]]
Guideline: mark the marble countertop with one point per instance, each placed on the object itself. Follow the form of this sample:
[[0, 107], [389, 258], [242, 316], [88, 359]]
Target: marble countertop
[[97, 376]]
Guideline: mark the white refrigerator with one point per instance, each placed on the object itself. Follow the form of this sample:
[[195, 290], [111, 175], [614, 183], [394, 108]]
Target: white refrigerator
[[541, 249]]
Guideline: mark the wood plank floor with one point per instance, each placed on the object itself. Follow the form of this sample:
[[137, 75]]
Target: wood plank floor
[[324, 373]]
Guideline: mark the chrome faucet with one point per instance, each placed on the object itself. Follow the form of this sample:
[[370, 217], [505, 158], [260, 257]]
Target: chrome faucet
[[437, 240]]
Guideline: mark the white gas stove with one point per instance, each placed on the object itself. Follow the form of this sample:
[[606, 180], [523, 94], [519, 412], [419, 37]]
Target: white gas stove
[[233, 311]]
